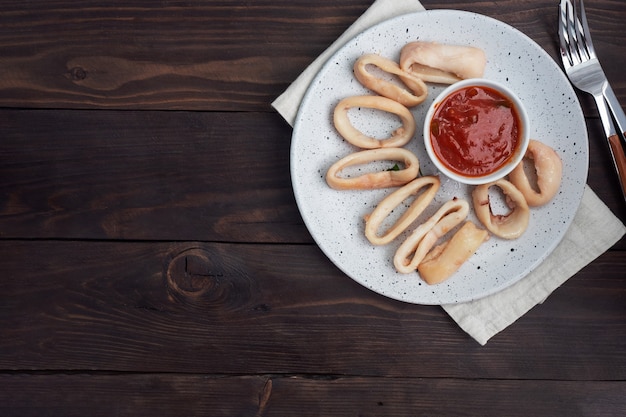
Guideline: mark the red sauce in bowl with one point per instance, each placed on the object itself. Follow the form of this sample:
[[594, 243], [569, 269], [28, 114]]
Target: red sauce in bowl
[[475, 131]]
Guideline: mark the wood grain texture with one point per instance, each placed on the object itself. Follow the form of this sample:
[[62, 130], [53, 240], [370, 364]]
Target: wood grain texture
[[144, 175], [207, 56], [278, 309], [270, 395], [230, 55]]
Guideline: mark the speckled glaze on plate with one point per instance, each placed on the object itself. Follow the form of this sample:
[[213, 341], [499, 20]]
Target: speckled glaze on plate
[[335, 218]]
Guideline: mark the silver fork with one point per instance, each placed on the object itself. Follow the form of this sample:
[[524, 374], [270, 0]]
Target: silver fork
[[584, 71]]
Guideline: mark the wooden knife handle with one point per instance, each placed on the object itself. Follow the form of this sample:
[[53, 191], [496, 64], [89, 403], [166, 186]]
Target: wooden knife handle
[[620, 159]]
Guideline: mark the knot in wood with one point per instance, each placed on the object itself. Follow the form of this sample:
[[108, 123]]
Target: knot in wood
[[192, 273], [78, 73], [208, 278]]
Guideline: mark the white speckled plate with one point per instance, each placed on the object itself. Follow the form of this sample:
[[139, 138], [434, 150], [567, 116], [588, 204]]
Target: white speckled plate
[[335, 218]]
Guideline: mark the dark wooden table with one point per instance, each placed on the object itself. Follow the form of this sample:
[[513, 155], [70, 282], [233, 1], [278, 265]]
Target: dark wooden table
[[154, 261]]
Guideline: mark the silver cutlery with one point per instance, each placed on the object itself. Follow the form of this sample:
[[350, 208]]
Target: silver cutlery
[[585, 73]]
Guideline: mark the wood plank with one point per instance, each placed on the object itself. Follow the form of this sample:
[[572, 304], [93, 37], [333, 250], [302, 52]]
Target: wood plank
[[147, 175], [178, 55], [167, 176], [267, 309], [171, 55], [275, 395], [126, 395]]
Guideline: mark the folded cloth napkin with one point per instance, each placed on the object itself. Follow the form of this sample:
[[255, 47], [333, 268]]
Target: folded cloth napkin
[[593, 231]]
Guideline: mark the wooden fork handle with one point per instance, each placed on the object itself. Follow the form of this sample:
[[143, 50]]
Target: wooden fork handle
[[620, 159]]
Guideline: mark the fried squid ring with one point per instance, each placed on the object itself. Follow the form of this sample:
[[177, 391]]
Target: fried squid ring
[[400, 137], [372, 180], [445, 259], [392, 201], [508, 226], [414, 249], [441, 63], [549, 169], [415, 94]]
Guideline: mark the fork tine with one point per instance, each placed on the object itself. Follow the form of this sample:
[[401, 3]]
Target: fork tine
[[572, 41], [561, 28], [586, 33], [564, 41]]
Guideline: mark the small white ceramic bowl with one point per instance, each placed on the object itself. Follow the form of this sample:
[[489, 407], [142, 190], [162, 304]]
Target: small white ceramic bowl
[[514, 159]]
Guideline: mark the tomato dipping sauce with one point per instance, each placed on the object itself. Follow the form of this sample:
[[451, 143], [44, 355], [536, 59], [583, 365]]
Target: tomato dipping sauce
[[474, 131]]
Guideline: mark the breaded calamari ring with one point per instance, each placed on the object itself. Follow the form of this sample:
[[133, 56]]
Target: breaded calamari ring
[[415, 94], [399, 137], [392, 201], [507, 226], [446, 258], [372, 180], [549, 170], [415, 248]]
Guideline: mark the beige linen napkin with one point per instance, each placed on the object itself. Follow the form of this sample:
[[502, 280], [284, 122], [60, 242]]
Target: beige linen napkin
[[594, 229]]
